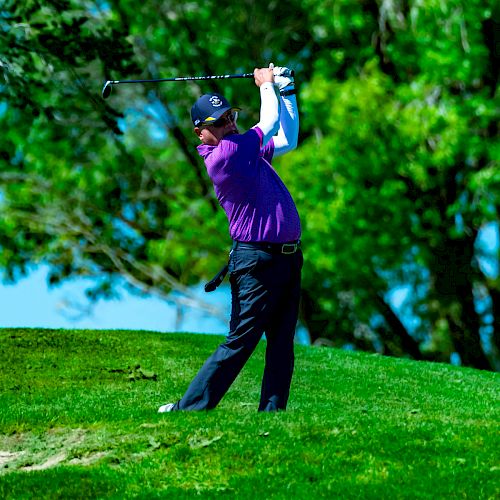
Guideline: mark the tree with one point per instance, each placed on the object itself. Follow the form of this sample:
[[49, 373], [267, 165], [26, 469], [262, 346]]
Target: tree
[[399, 144], [114, 190], [396, 174]]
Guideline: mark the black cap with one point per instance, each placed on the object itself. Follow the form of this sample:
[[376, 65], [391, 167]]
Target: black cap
[[209, 107]]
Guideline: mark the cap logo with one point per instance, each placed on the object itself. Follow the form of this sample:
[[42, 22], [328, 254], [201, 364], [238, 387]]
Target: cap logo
[[215, 101]]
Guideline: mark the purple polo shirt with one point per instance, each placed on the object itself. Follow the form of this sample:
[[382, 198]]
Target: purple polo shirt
[[257, 203]]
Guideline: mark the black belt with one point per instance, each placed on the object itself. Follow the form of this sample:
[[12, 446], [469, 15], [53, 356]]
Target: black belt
[[287, 248]]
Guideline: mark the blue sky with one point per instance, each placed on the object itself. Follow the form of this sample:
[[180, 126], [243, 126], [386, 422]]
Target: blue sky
[[30, 303]]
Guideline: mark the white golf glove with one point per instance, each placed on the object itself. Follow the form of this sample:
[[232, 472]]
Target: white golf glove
[[283, 77]]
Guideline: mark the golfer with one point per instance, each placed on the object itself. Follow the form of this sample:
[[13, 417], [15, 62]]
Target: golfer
[[265, 260]]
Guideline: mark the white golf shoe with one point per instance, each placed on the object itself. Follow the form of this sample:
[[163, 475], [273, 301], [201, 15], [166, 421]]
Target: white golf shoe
[[166, 408]]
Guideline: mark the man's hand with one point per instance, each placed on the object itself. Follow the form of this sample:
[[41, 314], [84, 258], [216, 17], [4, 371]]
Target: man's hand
[[263, 75], [283, 77]]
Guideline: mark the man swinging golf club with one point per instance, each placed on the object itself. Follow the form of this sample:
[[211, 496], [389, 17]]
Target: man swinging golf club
[[265, 260]]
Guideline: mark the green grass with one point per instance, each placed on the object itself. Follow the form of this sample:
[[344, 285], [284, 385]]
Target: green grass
[[78, 419]]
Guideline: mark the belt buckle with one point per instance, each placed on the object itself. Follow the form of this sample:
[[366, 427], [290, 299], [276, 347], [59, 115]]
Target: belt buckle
[[288, 252]]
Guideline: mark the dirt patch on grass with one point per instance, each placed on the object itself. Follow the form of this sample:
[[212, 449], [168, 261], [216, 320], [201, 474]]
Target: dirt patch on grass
[[89, 459], [59, 446], [8, 456], [52, 461]]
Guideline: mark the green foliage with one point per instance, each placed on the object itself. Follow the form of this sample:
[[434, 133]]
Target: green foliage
[[395, 175], [387, 177], [100, 188], [75, 423]]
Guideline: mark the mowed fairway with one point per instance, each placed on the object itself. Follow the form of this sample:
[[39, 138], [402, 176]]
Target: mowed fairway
[[78, 419]]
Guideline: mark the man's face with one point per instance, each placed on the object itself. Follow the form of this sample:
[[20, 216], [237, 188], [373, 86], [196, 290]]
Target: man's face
[[212, 133]]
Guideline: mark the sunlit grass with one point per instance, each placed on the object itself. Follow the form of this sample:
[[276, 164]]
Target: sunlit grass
[[78, 419]]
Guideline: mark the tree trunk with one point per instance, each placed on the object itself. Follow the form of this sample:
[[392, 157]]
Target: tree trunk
[[495, 311], [454, 282], [312, 316], [400, 342]]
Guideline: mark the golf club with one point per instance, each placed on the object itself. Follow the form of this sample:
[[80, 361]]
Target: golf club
[[106, 90]]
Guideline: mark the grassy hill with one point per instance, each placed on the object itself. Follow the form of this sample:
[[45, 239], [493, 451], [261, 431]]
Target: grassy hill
[[78, 420]]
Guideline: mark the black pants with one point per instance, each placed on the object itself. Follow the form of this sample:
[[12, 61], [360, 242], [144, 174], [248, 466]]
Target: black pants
[[265, 289]]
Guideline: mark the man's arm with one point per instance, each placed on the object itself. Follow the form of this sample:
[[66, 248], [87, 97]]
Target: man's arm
[[269, 105], [288, 133]]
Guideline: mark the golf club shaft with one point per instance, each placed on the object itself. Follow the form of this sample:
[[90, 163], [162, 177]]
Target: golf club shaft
[[106, 91], [184, 78]]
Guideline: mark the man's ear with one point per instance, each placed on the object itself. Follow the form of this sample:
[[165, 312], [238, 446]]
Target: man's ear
[[197, 131]]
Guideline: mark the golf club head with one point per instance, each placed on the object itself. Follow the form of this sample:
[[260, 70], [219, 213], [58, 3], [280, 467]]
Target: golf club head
[[106, 90]]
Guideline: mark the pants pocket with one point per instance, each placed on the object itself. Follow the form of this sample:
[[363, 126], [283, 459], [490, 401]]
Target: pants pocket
[[243, 262]]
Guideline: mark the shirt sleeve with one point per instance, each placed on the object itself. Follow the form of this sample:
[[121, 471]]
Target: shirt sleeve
[[269, 112], [268, 150], [288, 133]]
